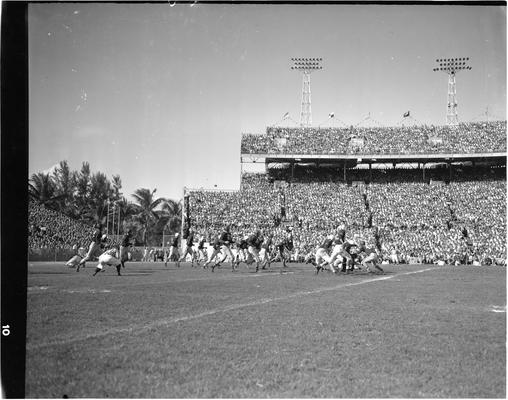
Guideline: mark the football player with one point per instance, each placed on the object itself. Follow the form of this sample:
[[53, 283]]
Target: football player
[[322, 256], [242, 254], [338, 240], [285, 244], [189, 249], [216, 245], [226, 239], [95, 244], [265, 251], [371, 257], [254, 242], [201, 252], [74, 261], [109, 257], [124, 246], [173, 251]]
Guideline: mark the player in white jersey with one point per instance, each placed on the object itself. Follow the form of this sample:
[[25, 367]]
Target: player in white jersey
[[95, 243], [74, 261], [201, 254], [371, 257], [109, 257], [322, 256], [264, 254], [337, 256]]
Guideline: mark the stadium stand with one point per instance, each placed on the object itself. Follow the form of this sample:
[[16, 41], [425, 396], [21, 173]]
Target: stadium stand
[[458, 223], [48, 229], [466, 138], [420, 219]]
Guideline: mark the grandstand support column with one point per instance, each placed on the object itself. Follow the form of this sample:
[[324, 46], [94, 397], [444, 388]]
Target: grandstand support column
[[292, 172], [345, 172], [107, 220], [182, 226], [449, 171], [423, 169], [370, 172]]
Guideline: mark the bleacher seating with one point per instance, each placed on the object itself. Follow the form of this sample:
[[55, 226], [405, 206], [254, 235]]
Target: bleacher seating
[[466, 138], [48, 229], [466, 218]]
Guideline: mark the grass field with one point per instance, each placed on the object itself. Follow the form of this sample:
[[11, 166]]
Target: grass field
[[416, 331]]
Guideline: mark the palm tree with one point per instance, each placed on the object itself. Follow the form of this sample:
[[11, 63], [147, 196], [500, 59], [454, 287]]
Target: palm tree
[[172, 213], [64, 181], [146, 213], [42, 188], [116, 183], [127, 212]]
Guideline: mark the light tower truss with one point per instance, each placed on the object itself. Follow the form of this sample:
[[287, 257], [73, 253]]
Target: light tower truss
[[306, 66], [451, 66]]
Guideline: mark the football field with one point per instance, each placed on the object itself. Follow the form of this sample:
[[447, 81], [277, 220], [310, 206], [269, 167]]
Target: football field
[[415, 331]]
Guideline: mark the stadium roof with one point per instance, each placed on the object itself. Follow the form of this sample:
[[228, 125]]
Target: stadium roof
[[370, 158]]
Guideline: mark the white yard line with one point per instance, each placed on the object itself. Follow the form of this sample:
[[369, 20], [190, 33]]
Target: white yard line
[[138, 328], [226, 276]]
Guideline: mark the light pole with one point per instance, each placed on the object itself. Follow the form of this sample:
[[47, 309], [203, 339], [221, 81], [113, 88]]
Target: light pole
[[451, 66], [306, 66]]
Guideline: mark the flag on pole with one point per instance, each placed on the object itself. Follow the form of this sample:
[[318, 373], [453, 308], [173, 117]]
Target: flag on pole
[[285, 115], [331, 115], [406, 114]]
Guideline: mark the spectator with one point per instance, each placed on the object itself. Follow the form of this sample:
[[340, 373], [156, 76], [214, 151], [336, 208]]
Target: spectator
[[477, 137]]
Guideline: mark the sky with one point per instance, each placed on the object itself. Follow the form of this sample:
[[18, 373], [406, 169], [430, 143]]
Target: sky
[[160, 94]]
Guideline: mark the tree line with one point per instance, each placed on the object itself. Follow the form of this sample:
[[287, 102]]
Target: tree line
[[86, 197]]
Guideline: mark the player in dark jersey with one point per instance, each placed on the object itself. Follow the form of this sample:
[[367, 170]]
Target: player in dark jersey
[[124, 245], [347, 260], [173, 251], [226, 239], [254, 244], [95, 244], [216, 244], [242, 254], [371, 257], [188, 248], [286, 244], [265, 251]]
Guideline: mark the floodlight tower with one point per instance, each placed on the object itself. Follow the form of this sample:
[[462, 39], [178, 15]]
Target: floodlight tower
[[451, 66], [306, 66]]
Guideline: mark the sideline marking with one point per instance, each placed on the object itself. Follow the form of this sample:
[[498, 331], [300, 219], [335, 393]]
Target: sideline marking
[[86, 291], [36, 288], [138, 328], [498, 309], [225, 276]]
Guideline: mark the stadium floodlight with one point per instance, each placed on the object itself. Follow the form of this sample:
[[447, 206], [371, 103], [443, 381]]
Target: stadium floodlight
[[451, 66], [306, 66]]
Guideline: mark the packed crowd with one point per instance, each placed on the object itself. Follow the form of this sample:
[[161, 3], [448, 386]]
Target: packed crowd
[[256, 204], [48, 229], [462, 222], [477, 137]]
